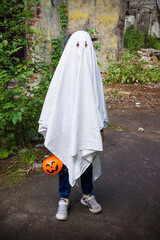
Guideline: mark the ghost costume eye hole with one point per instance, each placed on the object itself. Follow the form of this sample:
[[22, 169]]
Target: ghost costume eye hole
[[77, 44], [85, 43]]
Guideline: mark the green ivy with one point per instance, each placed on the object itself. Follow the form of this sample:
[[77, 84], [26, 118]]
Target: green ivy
[[56, 52], [20, 105], [63, 15], [96, 45]]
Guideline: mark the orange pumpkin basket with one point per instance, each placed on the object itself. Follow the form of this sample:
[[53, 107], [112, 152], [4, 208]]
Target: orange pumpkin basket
[[52, 165]]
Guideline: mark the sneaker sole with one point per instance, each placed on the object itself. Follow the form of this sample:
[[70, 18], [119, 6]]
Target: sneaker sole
[[91, 210], [61, 218]]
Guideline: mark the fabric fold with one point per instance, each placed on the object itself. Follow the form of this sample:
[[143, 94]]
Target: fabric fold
[[74, 110]]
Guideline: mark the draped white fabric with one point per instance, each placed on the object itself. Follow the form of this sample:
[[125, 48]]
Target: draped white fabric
[[74, 110]]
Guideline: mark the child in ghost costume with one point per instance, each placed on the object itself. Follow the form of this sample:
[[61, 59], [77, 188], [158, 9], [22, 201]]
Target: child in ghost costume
[[72, 120]]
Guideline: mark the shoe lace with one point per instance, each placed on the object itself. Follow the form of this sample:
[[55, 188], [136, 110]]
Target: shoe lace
[[62, 209], [93, 201]]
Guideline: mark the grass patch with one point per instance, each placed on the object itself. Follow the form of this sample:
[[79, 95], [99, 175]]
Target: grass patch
[[124, 128], [114, 127], [28, 156], [111, 126], [14, 170], [16, 177]]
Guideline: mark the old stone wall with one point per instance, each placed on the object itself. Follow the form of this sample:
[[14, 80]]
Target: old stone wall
[[108, 17], [102, 15], [47, 22], [145, 14]]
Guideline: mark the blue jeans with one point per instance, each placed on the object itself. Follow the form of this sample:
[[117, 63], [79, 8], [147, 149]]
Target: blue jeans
[[65, 187]]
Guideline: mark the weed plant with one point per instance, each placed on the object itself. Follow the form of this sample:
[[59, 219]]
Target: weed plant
[[131, 69], [134, 39], [28, 156]]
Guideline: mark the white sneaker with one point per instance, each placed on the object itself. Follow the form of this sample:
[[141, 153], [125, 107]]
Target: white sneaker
[[62, 211], [91, 202]]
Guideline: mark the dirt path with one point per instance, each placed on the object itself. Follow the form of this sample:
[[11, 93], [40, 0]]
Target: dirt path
[[133, 97]]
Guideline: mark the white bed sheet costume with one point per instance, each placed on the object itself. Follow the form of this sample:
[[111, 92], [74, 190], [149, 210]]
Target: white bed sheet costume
[[74, 109]]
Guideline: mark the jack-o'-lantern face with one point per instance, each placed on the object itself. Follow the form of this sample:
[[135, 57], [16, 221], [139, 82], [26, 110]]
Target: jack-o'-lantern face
[[52, 165]]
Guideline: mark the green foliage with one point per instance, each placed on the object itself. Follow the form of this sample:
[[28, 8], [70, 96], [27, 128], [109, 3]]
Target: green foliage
[[28, 156], [63, 18], [131, 69], [134, 39], [96, 45], [20, 104], [92, 31], [21, 99], [56, 51], [63, 14]]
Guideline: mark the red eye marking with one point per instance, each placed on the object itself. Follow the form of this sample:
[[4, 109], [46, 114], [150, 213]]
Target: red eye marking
[[77, 44], [85, 43]]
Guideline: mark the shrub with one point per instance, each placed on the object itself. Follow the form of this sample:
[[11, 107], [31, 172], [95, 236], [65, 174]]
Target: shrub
[[131, 69], [134, 39], [21, 103]]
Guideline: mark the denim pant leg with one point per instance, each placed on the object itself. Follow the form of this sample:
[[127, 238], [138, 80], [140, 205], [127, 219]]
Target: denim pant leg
[[86, 181], [64, 185]]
